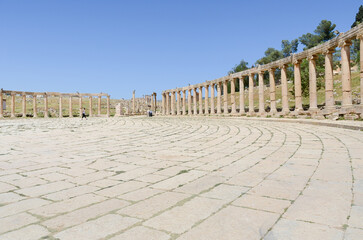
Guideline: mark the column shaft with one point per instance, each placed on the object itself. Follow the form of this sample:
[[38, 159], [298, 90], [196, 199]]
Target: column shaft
[[195, 101], [60, 106], [206, 99], [70, 110], [297, 83], [346, 77], [1, 104], [219, 93], [284, 90], [212, 94], [173, 103], [225, 97], [200, 100], [24, 104], [35, 113], [250, 94], [46, 113], [312, 84], [133, 102], [184, 107], [90, 106], [241, 96], [233, 96], [12, 104], [361, 70], [163, 107], [189, 101], [80, 105], [261, 99], [329, 84], [108, 106], [167, 97], [178, 103]]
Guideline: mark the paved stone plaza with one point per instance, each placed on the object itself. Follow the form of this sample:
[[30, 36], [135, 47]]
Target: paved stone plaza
[[179, 178]]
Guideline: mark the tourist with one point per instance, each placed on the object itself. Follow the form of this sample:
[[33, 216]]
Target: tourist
[[84, 114]]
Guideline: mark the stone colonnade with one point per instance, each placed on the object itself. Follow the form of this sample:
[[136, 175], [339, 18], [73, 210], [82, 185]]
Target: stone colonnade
[[347, 108], [61, 96]]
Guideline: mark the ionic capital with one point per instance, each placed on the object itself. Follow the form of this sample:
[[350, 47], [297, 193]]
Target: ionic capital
[[282, 66], [345, 43], [329, 51], [312, 57]]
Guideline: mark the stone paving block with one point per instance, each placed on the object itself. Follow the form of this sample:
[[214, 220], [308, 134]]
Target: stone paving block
[[179, 180], [353, 234], [356, 217], [97, 229], [121, 188], [45, 189], [201, 184], [141, 233], [140, 194], [233, 223], [152, 178], [32, 232], [71, 192], [225, 192], [16, 221], [262, 203], [10, 197], [182, 218], [4, 187], [21, 206]]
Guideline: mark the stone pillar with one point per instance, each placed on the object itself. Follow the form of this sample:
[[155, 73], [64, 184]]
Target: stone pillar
[[60, 106], [35, 113], [173, 103], [329, 82], [24, 104], [156, 103], [250, 93], [241, 96], [99, 106], [70, 110], [261, 97], [80, 105], [12, 104], [225, 97], [153, 103], [200, 100], [273, 108], [1, 104], [233, 96], [163, 103], [189, 101], [178, 103], [108, 105], [284, 90], [90, 106], [297, 83], [133, 102], [46, 112], [219, 93], [346, 78], [167, 111], [206, 98], [212, 94], [312, 84], [195, 101], [361, 69], [184, 107]]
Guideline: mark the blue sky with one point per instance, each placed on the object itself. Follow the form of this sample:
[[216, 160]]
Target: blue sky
[[151, 45]]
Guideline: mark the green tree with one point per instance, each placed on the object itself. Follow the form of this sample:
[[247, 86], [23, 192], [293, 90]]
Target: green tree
[[243, 65], [355, 50], [289, 47], [358, 17]]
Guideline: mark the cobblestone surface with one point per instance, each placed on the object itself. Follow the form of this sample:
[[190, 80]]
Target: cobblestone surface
[[179, 178]]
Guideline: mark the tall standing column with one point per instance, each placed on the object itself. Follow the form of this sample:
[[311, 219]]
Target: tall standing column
[[329, 84], [271, 73], [241, 96], [284, 90], [346, 77], [35, 112], [46, 113], [261, 97], [189, 101], [184, 107], [233, 96], [163, 103], [225, 97], [133, 102], [90, 106], [70, 110], [250, 93], [167, 97], [195, 100], [212, 94], [297, 83], [178, 103], [173, 103], [219, 93], [12, 104], [108, 105], [1, 104], [361, 69], [156, 103], [24, 104], [312, 84], [200, 100], [60, 106], [99, 106], [80, 105], [206, 98]]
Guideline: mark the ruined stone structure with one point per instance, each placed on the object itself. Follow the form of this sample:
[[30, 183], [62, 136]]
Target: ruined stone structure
[[45, 96], [137, 106], [179, 106]]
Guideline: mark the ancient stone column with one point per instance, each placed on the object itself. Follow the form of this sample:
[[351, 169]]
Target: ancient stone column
[[273, 108], [108, 105], [133, 102], [225, 97], [167, 97], [329, 83], [261, 97], [90, 106], [24, 104], [35, 113], [156, 103], [346, 77], [241, 96], [99, 106], [312, 84], [1, 103], [80, 105], [206, 98], [189, 101], [361, 69], [184, 107], [284, 90], [178, 103], [250, 93], [194, 100], [200, 100], [173, 103], [212, 94], [163, 103], [12, 104], [46, 112], [219, 93], [233, 96], [60, 106], [297, 83], [70, 110]]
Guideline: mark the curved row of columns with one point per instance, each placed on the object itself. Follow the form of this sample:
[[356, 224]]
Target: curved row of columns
[[195, 92], [45, 96]]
